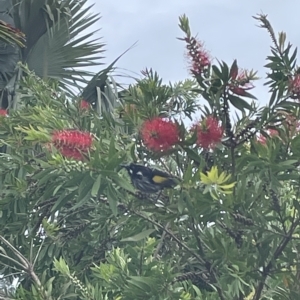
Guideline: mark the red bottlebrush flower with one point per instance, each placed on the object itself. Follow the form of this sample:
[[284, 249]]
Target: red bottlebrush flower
[[295, 86], [84, 105], [72, 138], [209, 133], [71, 153], [159, 134], [3, 112], [239, 82], [197, 55], [72, 143]]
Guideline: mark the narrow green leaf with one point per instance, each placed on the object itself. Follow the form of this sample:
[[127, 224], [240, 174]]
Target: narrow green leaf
[[138, 236], [192, 154], [96, 186], [112, 200], [62, 200], [288, 162], [121, 182], [239, 103], [248, 95], [296, 205], [217, 72]]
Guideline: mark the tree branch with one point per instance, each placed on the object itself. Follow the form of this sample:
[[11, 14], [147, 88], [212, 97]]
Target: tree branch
[[277, 253]]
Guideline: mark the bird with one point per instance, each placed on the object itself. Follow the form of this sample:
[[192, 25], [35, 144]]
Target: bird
[[148, 180]]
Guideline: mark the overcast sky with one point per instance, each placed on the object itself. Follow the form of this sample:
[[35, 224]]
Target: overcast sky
[[225, 26]]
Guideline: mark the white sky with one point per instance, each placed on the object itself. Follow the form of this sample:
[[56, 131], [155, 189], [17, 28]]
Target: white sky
[[225, 26]]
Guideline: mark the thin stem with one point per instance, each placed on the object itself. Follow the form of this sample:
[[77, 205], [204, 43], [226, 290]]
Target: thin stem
[[183, 245], [27, 266], [161, 242], [199, 243], [13, 260], [141, 262], [232, 161]]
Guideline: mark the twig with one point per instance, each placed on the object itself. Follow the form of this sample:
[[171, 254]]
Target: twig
[[277, 253], [183, 245], [25, 264], [199, 243], [165, 166], [141, 262], [161, 242]]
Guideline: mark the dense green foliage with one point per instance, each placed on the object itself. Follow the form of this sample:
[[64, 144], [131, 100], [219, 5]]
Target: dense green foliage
[[230, 229]]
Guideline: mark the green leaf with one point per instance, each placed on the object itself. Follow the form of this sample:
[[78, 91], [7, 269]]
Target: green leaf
[[296, 205], [112, 200], [83, 198], [96, 186], [288, 162], [217, 72], [112, 149], [248, 95], [192, 154], [138, 236], [115, 160], [121, 182], [187, 176], [57, 189], [181, 204], [293, 56], [239, 103], [62, 200], [85, 186]]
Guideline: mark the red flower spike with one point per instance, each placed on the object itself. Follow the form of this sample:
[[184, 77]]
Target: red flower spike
[[198, 56], [72, 138], [3, 112], [72, 143], [159, 134], [84, 105], [71, 153], [209, 133]]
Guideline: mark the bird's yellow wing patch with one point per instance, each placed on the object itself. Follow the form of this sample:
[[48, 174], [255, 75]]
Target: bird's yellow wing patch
[[159, 179]]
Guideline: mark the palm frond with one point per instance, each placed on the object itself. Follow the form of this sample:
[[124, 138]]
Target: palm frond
[[11, 35], [58, 44]]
